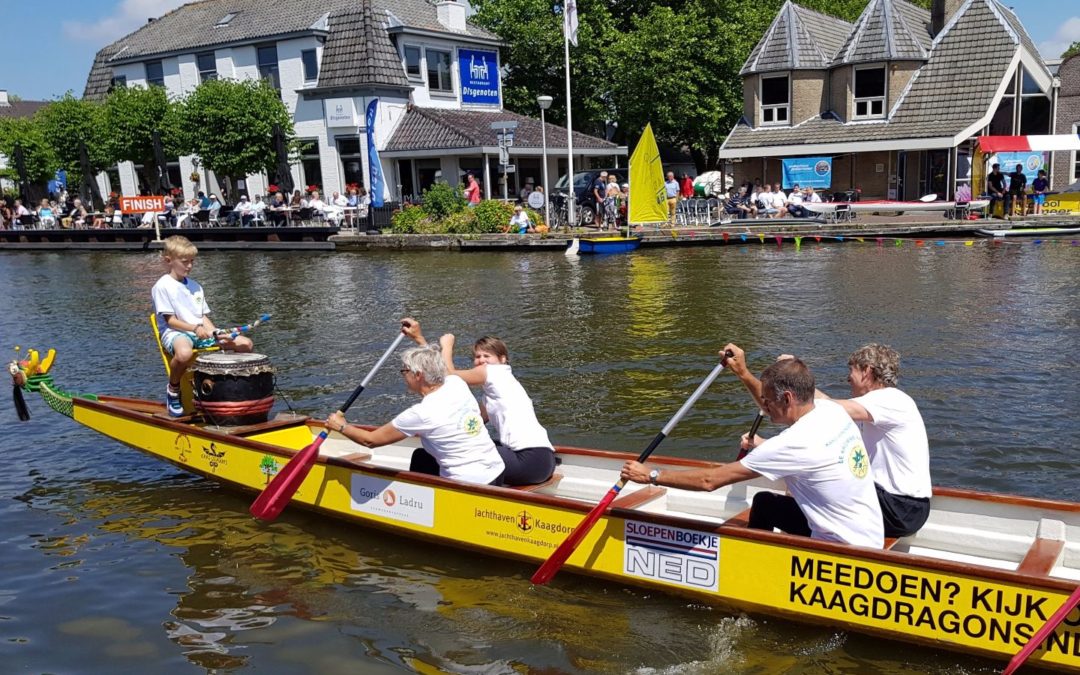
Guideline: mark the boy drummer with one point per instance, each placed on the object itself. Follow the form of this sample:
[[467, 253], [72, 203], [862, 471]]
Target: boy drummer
[[181, 311]]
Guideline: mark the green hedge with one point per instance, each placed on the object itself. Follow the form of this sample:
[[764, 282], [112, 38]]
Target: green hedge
[[445, 212]]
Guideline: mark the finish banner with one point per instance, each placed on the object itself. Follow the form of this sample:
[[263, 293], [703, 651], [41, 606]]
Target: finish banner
[[814, 172]]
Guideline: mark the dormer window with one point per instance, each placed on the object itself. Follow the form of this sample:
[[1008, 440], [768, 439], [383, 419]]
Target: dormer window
[[775, 100], [225, 20], [869, 92]]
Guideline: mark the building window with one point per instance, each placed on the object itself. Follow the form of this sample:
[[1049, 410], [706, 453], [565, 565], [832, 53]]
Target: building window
[[268, 65], [155, 74], [226, 20], [309, 161], [438, 70], [118, 82], [869, 92], [207, 66], [1076, 156], [1034, 106], [311, 65], [412, 63], [775, 100], [352, 160]]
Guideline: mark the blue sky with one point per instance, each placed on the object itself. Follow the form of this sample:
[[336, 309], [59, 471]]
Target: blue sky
[[48, 47]]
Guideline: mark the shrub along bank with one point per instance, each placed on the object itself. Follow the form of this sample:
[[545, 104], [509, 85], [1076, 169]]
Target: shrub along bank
[[445, 211]]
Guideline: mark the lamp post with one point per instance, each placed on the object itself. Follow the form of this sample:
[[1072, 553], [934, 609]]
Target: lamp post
[[545, 102]]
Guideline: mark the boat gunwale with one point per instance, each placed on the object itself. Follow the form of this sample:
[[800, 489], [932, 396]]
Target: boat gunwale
[[116, 405]]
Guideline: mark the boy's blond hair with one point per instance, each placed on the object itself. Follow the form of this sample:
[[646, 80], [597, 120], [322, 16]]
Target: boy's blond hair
[[177, 246]]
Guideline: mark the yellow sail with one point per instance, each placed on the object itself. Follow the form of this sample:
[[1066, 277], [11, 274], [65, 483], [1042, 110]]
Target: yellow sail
[[648, 201]]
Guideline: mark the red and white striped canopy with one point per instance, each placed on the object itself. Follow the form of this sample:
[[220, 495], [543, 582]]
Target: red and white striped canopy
[[990, 144]]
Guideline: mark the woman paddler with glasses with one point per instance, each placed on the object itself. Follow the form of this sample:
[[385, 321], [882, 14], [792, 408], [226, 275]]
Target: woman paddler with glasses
[[522, 442]]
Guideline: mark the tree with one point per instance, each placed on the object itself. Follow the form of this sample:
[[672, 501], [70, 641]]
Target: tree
[[38, 154], [68, 123], [129, 118], [1073, 50], [229, 125]]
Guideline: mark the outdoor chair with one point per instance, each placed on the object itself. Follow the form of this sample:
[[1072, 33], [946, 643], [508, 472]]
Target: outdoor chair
[[303, 214]]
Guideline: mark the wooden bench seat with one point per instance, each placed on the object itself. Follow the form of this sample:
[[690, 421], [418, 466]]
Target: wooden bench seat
[[639, 497], [550, 482], [1041, 557]]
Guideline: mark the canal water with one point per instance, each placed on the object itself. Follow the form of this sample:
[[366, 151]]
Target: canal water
[[113, 562]]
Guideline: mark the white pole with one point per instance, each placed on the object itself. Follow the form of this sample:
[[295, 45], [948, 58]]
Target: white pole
[[572, 196], [547, 187]]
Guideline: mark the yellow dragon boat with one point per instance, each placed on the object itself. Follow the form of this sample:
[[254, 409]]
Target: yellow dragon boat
[[983, 575]]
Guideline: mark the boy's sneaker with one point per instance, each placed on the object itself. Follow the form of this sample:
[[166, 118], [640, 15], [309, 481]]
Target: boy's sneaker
[[172, 403]]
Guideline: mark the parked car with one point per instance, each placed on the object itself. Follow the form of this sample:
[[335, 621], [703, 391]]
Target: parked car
[[583, 180]]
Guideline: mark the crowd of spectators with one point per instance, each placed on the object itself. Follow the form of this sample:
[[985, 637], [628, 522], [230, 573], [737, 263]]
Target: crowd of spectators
[[752, 200]]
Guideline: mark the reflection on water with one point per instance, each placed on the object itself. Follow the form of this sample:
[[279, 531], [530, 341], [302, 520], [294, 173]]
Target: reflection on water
[[114, 562]]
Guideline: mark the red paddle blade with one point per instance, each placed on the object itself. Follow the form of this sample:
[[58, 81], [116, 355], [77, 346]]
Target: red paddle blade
[[1044, 632], [555, 562], [276, 496]]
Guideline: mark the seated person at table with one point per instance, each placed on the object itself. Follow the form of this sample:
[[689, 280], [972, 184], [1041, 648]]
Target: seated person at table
[[258, 207], [456, 442], [279, 209], [182, 317], [779, 201], [241, 214], [521, 441], [46, 215], [820, 456]]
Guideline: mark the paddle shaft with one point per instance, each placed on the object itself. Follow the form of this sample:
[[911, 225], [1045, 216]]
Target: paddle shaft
[[551, 567], [753, 430], [234, 332], [279, 492], [1044, 632]]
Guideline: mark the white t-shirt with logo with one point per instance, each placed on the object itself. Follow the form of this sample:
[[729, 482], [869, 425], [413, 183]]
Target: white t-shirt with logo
[[897, 443], [449, 425], [827, 470], [183, 299], [511, 411]]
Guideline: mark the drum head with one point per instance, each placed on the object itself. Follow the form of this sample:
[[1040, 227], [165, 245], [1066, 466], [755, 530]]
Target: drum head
[[232, 363]]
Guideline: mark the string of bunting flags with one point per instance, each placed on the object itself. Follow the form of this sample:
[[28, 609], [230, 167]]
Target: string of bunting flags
[[745, 237]]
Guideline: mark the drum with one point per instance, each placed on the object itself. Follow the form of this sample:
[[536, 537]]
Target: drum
[[233, 389]]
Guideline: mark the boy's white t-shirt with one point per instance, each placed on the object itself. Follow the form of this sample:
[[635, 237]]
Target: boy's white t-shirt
[[183, 299], [827, 470], [450, 428], [511, 411], [897, 443]]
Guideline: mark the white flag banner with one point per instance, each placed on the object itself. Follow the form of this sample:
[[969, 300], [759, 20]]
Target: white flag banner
[[570, 22]]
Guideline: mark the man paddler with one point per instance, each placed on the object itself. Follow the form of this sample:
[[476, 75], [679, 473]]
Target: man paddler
[[820, 455]]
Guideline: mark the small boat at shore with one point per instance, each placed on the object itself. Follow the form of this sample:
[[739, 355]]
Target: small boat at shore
[[982, 576], [612, 244], [1028, 231]]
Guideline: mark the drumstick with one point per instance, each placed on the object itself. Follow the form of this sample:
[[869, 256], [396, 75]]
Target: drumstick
[[233, 332]]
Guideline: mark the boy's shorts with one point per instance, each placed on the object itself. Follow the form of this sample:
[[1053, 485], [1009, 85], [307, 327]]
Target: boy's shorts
[[170, 336], [1039, 199]]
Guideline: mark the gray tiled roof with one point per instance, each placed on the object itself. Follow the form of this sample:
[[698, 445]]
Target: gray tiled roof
[[797, 39], [888, 30], [950, 93], [358, 52], [193, 27], [443, 129], [1018, 28], [21, 108]]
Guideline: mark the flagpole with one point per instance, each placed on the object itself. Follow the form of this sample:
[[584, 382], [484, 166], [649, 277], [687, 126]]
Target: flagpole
[[572, 193]]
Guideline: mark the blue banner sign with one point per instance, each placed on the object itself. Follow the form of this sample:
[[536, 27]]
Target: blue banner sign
[[807, 171], [479, 72], [1031, 161], [376, 182]]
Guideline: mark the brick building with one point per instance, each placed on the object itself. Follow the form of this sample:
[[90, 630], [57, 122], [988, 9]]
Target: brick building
[[1067, 164], [893, 101]]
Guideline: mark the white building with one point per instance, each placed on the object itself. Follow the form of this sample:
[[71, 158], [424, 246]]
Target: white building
[[437, 78]]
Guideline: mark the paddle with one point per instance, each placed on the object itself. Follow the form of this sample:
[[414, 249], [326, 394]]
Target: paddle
[[1041, 635], [552, 565], [750, 436], [281, 489], [234, 332]]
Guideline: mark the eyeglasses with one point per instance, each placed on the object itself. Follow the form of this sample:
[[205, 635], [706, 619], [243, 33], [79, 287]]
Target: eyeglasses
[[405, 370]]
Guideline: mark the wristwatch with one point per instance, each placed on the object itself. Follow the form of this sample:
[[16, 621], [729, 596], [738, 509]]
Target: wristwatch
[[654, 475]]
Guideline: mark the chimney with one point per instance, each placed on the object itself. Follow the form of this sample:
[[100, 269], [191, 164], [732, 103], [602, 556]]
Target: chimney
[[4, 98], [941, 12], [451, 14]]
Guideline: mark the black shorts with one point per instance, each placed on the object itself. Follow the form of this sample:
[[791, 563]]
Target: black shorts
[[902, 515]]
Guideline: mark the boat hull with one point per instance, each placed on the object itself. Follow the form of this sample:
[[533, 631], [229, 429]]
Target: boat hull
[[906, 597], [1029, 232], [602, 245]]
